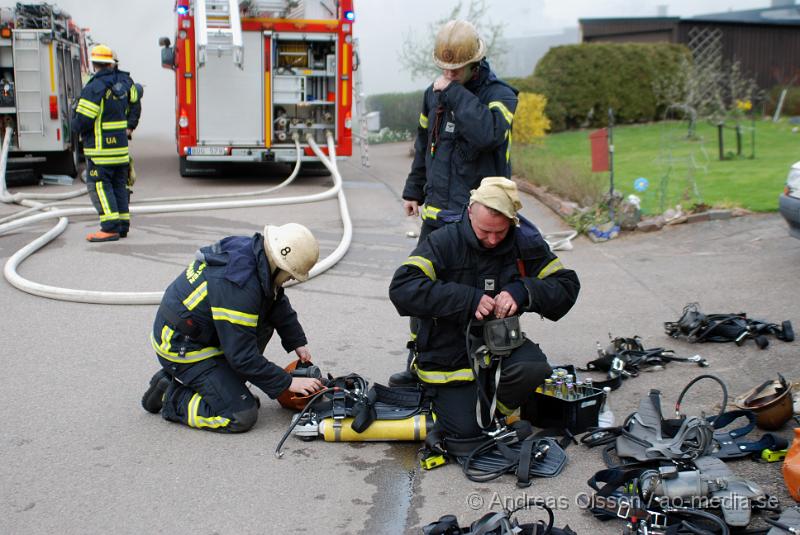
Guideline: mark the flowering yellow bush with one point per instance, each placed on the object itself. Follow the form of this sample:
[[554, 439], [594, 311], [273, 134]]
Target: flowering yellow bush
[[530, 122]]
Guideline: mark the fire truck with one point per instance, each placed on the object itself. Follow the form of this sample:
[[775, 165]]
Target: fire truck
[[43, 57], [251, 76]]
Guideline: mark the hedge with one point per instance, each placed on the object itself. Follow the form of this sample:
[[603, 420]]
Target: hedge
[[582, 81]]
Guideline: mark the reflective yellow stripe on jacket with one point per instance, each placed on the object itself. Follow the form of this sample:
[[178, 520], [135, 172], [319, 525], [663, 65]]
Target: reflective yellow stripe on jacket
[[117, 151], [234, 316], [163, 349], [425, 265], [423, 121], [88, 108], [115, 125], [196, 297], [430, 212], [496, 104], [549, 269]]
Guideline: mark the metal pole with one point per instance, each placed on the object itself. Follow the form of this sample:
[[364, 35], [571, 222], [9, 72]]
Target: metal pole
[[611, 163], [720, 142], [738, 139]]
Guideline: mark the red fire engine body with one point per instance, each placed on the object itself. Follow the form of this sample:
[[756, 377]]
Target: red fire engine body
[[250, 75]]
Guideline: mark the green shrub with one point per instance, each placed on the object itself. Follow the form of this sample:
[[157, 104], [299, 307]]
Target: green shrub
[[523, 85], [399, 111], [582, 81]]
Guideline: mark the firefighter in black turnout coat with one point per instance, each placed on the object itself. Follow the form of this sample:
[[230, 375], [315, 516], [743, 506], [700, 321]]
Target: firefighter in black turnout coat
[[107, 113], [464, 131], [214, 323], [480, 267]]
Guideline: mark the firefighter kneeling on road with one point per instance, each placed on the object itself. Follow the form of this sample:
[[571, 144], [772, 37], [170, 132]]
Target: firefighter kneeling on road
[[214, 323], [107, 113], [484, 266]]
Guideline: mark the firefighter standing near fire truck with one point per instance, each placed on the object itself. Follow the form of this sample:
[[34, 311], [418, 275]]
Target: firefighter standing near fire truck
[[107, 113]]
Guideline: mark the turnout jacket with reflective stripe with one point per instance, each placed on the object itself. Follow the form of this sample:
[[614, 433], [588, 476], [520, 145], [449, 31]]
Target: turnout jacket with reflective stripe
[[442, 282], [463, 136], [226, 294], [108, 106]]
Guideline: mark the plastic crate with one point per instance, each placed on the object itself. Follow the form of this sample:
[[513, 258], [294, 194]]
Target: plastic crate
[[576, 415]]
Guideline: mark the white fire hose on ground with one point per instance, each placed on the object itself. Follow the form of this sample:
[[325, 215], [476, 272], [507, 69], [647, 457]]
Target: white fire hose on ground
[[146, 298]]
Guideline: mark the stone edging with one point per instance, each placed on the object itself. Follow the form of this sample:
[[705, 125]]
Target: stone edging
[[566, 208]]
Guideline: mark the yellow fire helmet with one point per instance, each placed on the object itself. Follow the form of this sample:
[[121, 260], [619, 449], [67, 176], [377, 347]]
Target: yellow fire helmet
[[102, 54]]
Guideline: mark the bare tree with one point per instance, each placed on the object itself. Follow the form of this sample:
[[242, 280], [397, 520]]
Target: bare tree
[[706, 86], [416, 54]]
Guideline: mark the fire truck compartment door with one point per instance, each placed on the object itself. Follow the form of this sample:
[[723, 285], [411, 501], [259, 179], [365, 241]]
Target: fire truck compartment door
[[230, 100]]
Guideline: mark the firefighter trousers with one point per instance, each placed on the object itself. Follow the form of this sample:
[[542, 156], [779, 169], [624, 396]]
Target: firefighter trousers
[[521, 372], [108, 190], [209, 395]]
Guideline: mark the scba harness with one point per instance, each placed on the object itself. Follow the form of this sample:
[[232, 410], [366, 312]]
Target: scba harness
[[499, 523], [647, 436], [697, 327], [672, 498], [347, 409], [624, 358], [505, 449]]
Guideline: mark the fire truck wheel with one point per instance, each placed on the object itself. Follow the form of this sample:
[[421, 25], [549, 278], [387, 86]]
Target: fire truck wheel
[[66, 162]]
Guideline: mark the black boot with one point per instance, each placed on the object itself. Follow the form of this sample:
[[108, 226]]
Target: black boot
[[406, 377], [403, 378], [153, 399]]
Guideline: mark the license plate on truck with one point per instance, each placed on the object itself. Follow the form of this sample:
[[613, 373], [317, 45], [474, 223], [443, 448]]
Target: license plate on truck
[[208, 151]]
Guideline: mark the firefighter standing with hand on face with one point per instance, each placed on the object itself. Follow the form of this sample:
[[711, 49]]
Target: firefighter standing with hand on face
[[482, 267], [214, 323], [107, 113], [464, 129]]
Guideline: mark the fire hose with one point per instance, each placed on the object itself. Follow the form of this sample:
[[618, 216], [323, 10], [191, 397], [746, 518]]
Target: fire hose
[[142, 298]]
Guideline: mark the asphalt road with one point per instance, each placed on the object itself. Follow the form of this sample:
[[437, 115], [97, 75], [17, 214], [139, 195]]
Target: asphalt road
[[81, 456]]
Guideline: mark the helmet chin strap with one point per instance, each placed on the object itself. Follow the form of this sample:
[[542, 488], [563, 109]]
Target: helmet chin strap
[[280, 277]]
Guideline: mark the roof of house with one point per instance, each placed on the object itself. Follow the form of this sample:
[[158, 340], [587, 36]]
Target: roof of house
[[779, 16]]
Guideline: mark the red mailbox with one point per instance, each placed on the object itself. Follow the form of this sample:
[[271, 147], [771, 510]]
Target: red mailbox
[[599, 143]]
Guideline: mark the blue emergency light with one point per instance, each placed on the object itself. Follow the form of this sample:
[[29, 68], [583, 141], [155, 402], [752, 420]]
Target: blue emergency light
[[182, 9], [349, 15]]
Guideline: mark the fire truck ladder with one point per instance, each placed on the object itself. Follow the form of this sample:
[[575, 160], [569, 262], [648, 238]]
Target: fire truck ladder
[[219, 27], [361, 108], [28, 76]]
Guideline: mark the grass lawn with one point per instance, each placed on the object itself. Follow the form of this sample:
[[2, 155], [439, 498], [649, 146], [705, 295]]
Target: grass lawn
[[662, 153]]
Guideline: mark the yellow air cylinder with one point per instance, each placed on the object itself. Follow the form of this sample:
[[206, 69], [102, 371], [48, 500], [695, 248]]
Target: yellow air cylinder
[[414, 428]]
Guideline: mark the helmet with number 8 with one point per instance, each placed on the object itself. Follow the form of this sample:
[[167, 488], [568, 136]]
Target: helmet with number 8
[[292, 248]]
